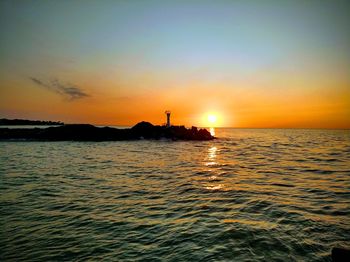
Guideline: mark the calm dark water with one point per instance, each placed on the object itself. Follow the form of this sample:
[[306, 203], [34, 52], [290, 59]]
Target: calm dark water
[[252, 195]]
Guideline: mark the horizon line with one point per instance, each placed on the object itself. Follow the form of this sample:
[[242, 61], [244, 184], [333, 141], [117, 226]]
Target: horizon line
[[223, 127]]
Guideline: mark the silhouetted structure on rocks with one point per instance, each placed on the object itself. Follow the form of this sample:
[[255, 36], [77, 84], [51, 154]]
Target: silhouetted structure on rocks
[[167, 118]]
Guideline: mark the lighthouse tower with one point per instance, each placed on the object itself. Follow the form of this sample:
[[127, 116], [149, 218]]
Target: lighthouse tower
[[167, 118]]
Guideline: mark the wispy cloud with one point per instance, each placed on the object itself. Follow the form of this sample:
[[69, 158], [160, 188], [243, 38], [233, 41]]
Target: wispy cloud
[[68, 91]]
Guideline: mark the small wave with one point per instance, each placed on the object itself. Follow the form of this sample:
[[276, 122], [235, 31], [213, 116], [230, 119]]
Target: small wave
[[282, 185], [319, 171]]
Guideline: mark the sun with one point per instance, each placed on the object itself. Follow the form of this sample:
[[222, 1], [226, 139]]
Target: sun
[[212, 119]]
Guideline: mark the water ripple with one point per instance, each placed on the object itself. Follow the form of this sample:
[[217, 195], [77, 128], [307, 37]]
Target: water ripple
[[252, 195]]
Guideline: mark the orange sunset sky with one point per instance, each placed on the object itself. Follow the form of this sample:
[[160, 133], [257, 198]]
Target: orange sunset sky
[[249, 63]]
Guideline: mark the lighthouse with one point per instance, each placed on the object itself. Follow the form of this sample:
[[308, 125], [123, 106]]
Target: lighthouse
[[167, 118]]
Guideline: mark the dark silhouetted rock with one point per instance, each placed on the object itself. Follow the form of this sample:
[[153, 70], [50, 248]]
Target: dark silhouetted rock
[[84, 132], [340, 254], [144, 130], [142, 126]]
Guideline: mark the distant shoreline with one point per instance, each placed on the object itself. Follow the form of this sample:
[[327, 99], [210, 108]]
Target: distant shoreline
[[25, 122]]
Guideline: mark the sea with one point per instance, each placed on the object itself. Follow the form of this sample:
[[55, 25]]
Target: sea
[[250, 195]]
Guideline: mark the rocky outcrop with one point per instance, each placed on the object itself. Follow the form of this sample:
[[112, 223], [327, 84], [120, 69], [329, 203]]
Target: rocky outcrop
[[340, 254], [83, 132]]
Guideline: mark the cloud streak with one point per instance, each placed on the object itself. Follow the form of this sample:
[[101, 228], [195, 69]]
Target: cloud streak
[[67, 91]]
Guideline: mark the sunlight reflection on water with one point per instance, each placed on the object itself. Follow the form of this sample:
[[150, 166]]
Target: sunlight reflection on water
[[212, 152], [211, 156], [212, 131], [212, 162]]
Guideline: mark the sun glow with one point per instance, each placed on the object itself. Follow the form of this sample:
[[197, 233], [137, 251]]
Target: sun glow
[[212, 119]]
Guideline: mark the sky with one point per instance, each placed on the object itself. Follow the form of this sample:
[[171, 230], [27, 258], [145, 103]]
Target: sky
[[263, 63]]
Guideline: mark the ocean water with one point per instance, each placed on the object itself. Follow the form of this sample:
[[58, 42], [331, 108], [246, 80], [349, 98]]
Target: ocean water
[[251, 195]]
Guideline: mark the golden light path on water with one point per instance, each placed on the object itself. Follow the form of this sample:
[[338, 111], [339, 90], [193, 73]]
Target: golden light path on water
[[212, 131], [211, 161]]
